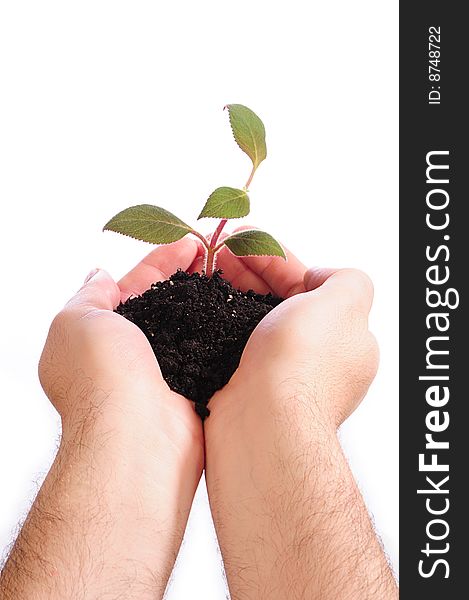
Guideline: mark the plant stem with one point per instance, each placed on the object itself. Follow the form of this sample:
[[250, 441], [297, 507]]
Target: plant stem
[[219, 247], [248, 182], [213, 248], [201, 238], [209, 262], [217, 232]]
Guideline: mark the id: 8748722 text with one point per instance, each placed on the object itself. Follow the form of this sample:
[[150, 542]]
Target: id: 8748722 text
[[434, 74]]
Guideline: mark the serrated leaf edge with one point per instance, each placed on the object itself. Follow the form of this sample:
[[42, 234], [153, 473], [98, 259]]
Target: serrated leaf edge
[[145, 241], [242, 192], [255, 163], [233, 235], [181, 225]]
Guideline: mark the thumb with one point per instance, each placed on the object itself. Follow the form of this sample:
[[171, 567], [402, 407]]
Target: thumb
[[98, 291], [346, 286]]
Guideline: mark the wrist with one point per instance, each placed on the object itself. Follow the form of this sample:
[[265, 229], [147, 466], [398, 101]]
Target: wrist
[[271, 398], [140, 446], [112, 491], [143, 411]]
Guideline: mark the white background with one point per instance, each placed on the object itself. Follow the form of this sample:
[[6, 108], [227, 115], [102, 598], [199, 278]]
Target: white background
[[107, 104]]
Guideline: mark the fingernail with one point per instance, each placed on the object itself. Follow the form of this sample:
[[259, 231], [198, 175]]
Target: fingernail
[[90, 275]]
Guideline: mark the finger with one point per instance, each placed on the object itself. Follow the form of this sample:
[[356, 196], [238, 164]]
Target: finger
[[284, 278], [316, 276], [99, 291], [351, 287], [162, 262], [198, 264], [239, 274]]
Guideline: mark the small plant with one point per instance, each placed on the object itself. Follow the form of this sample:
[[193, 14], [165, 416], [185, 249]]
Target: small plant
[[158, 226]]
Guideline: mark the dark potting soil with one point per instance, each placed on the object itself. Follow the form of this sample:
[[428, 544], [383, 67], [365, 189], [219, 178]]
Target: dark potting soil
[[198, 328]]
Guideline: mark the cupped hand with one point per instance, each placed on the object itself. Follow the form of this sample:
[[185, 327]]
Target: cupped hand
[[313, 355], [97, 366]]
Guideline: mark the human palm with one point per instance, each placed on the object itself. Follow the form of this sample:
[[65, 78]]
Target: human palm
[[159, 265], [317, 339], [95, 360]]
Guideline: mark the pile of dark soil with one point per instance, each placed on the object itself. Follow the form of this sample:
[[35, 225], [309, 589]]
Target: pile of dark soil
[[198, 328]]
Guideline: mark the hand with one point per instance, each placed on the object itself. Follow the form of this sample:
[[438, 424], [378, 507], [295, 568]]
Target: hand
[[110, 515], [289, 518], [98, 367], [314, 351]]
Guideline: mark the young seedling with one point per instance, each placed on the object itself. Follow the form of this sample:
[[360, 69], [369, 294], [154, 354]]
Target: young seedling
[[158, 226]]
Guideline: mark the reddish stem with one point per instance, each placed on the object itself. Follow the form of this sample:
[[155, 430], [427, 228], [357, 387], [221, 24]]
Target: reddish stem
[[219, 247], [248, 182], [201, 238], [213, 248], [209, 262], [217, 232]]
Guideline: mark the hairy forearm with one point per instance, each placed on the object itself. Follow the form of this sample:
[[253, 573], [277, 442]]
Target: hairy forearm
[[107, 522], [290, 519]]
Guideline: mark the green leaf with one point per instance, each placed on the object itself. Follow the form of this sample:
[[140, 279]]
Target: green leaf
[[226, 203], [149, 223], [249, 132], [253, 242]]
